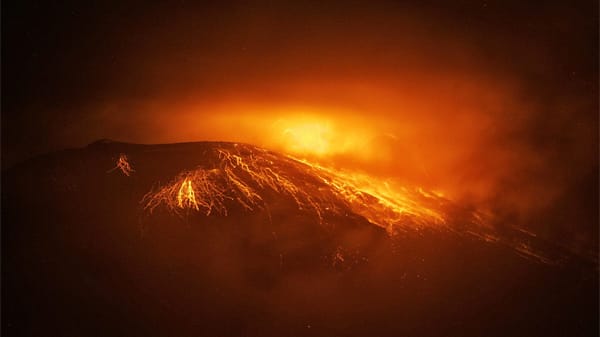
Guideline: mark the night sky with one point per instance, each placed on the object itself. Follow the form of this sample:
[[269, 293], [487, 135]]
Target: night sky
[[74, 72]]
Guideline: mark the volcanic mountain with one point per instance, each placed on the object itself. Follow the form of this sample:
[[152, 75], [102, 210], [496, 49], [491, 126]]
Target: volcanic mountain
[[227, 239]]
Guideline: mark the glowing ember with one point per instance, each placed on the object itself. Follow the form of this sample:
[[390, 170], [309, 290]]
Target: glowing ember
[[123, 165]]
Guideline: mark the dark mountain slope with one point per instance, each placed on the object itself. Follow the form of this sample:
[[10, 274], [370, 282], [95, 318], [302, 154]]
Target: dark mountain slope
[[88, 251]]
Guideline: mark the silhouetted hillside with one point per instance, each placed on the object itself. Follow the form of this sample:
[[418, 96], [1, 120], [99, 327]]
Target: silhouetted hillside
[[272, 250]]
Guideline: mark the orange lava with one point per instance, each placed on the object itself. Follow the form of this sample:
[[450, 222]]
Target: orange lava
[[238, 182], [123, 165], [186, 197]]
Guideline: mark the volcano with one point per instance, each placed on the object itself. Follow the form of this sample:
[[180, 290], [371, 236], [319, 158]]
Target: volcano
[[228, 239]]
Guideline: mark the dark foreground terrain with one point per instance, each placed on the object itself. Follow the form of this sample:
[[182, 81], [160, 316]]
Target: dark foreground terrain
[[81, 257]]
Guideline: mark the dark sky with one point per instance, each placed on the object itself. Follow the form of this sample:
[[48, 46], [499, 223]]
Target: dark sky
[[526, 72]]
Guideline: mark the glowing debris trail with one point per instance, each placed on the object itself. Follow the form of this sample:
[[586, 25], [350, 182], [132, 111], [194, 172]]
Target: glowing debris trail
[[237, 182], [123, 165], [186, 197], [246, 178], [381, 204]]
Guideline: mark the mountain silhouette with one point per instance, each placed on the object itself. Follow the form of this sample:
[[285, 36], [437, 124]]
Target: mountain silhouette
[[228, 239]]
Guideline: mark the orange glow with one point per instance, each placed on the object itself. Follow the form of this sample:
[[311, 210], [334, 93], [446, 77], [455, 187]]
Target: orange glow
[[308, 137], [390, 129], [320, 135], [305, 131]]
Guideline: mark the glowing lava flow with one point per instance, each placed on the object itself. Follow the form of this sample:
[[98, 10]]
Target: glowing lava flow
[[186, 197], [247, 178], [123, 165], [244, 178], [379, 203], [238, 181]]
